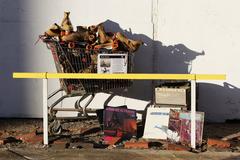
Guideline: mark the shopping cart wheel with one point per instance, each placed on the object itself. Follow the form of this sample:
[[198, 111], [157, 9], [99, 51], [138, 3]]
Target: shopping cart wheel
[[55, 127]]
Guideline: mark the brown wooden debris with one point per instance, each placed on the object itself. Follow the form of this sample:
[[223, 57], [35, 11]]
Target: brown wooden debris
[[231, 136]]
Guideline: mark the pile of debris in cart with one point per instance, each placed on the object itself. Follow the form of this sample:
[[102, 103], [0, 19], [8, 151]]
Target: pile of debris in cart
[[92, 37]]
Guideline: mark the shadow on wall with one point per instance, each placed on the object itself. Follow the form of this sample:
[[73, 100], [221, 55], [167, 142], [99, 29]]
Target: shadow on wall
[[218, 102], [154, 57], [12, 59]]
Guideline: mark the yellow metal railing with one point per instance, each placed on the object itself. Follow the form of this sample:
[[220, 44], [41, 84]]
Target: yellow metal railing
[[192, 77], [135, 76]]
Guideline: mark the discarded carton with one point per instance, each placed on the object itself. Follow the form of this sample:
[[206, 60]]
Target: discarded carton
[[180, 127], [185, 127], [120, 122], [156, 125], [173, 96], [174, 124], [111, 140]]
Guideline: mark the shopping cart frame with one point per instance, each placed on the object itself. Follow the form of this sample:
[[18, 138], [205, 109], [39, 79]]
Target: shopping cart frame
[[72, 56]]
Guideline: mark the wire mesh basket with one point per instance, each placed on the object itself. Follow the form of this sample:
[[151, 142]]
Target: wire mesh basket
[[75, 58]]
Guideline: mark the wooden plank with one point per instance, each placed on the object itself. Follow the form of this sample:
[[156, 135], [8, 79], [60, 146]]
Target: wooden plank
[[231, 136]]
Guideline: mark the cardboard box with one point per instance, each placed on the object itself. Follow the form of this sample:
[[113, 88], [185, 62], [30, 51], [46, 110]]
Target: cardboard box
[[173, 96], [120, 122]]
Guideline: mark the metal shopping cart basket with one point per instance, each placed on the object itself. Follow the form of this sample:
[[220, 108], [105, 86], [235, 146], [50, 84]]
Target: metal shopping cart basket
[[75, 58]]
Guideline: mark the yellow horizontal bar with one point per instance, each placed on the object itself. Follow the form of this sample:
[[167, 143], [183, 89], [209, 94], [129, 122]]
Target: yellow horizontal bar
[[210, 77], [122, 76], [29, 75]]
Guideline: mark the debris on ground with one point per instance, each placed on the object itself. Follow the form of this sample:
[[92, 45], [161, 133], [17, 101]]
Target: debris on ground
[[177, 147], [111, 140], [9, 140], [218, 143], [80, 135], [231, 136], [136, 145], [31, 137]]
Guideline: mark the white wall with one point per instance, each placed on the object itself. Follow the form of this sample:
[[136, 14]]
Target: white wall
[[189, 37], [206, 34], [22, 21]]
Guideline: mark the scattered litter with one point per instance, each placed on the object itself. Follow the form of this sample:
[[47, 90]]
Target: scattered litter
[[177, 147], [156, 125], [100, 145], [111, 140], [156, 145], [185, 127], [218, 143], [120, 122], [232, 136], [9, 140]]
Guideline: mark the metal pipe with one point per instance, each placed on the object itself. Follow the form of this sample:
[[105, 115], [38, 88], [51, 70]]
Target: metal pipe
[[45, 111], [193, 113], [54, 93]]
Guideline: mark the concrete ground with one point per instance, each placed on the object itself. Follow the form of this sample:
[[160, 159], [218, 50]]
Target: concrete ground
[[120, 154]]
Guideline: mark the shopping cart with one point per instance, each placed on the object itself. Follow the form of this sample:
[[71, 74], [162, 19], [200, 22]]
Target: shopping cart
[[73, 57]]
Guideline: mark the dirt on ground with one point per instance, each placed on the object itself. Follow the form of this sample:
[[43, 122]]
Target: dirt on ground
[[23, 137]]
